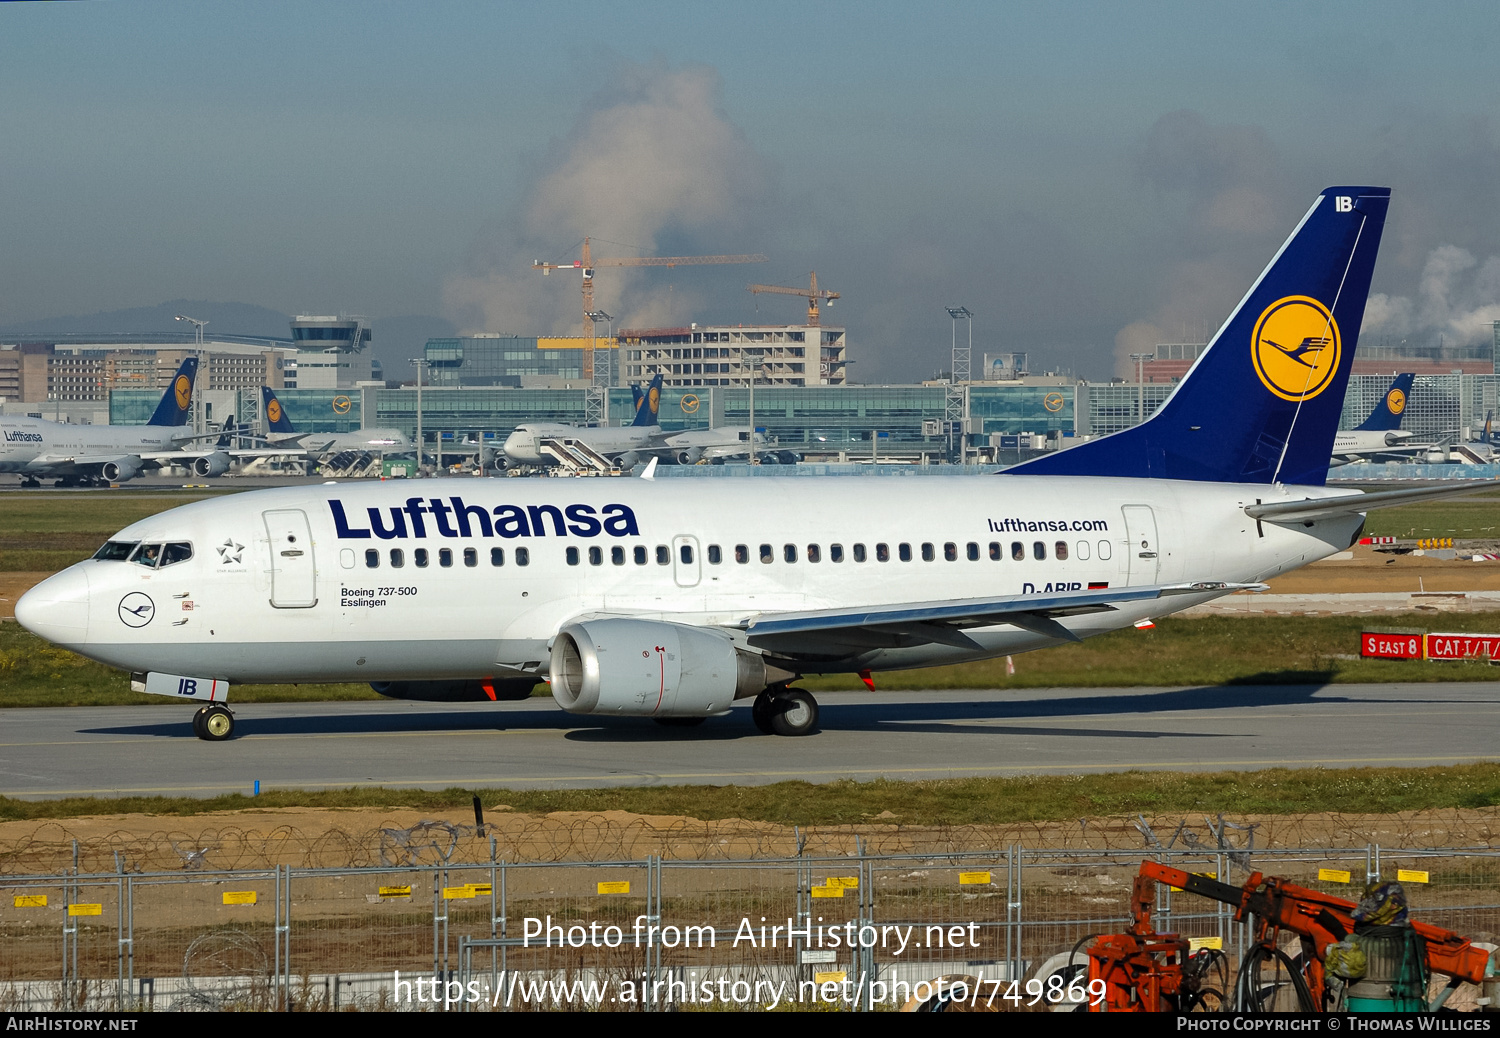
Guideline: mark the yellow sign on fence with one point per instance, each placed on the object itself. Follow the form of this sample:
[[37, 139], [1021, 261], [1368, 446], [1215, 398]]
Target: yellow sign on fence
[[618, 886], [827, 891], [31, 900], [85, 909], [973, 879], [1334, 876], [1199, 943], [395, 891], [830, 977], [1412, 876], [842, 881], [240, 897]]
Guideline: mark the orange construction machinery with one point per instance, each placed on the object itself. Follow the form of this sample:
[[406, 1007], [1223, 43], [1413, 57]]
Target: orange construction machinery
[[812, 293], [586, 264], [1146, 971]]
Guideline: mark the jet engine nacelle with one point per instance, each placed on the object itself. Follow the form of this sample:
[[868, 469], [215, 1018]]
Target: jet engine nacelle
[[215, 464], [460, 691], [646, 668], [120, 471], [689, 456], [629, 460]]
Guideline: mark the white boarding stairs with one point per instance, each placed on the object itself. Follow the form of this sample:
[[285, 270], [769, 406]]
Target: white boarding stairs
[[574, 454]]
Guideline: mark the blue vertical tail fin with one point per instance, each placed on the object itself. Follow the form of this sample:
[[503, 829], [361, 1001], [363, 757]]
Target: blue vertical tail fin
[[1262, 402], [648, 406], [1388, 413], [274, 414], [177, 402]]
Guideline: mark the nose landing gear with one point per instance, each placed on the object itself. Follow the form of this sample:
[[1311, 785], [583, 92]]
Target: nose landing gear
[[214, 723]]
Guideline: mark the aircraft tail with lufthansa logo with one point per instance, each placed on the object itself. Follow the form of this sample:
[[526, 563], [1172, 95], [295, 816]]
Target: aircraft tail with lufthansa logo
[[1262, 403], [648, 406], [273, 412], [177, 402], [1388, 413]]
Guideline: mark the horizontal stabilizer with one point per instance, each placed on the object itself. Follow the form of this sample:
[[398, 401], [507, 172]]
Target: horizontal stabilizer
[[1309, 509]]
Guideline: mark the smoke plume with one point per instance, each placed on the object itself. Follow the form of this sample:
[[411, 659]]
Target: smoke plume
[[652, 156], [1458, 298]]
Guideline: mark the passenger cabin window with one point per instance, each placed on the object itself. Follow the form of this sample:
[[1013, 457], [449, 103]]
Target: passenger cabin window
[[685, 552], [950, 552], [497, 556], [617, 555], [445, 557], [835, 553], [715, 556], [372, 558], [398, 558], [523, 556], [814, 553], [1082, 548], [928, 554], [1104, 550], [997, 553], [115, 551], [859, 553], [596, 555], [1018, 551], [572, 556], [905, 552], [1039, 551], [663, 556], [767, 554], [742, 553], [1060, 551], [882, 552], [789, 552], [419, 557], [641, 555], [471, 557], [973, 550]]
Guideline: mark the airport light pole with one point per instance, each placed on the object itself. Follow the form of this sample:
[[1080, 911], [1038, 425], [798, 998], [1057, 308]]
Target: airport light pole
[[755, 361], [1140, 384], [198, 425], [596, 404], [959, 372], [421, 364]]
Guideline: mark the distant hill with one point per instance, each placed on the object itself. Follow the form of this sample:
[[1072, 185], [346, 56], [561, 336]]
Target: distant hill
[[223, 318]]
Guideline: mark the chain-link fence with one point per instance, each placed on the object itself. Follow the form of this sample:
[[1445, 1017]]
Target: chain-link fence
[[856, 930]]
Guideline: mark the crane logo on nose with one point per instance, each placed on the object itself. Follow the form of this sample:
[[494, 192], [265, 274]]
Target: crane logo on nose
[[136, 609]]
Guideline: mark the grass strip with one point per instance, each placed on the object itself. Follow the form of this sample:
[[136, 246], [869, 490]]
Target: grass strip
[[971, 801]]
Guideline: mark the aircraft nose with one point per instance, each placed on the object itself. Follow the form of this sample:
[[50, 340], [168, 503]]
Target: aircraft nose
[[57, 609]]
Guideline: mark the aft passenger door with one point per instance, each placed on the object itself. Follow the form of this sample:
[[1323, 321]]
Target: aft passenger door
[[294, 572], [1141, 547], [687, 568]]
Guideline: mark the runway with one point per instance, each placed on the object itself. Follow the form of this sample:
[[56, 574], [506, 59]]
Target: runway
[[117, 751]]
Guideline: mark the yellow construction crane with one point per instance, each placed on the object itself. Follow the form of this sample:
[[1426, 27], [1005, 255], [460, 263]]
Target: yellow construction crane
[[586, 263], [813, 294]]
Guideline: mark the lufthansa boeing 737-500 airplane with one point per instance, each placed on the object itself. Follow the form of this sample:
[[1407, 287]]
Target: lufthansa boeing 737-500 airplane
[[673, 599]]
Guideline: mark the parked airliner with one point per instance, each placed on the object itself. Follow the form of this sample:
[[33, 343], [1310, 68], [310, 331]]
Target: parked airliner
[[85, 454], [1380, 434], [674, 598]]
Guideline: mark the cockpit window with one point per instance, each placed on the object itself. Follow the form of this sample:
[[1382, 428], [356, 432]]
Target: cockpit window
[[115, 551], [146, 555], [156, 556]]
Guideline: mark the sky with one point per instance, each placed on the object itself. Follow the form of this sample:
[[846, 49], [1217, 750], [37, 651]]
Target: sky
[[1088, 179]]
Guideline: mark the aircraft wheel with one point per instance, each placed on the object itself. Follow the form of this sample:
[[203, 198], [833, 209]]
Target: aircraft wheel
[[198, 716], [761, 711], [795, 713], [218, 723], [679, 722]]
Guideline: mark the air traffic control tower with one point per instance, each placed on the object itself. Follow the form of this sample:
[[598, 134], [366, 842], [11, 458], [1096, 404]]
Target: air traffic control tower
[[330, 353]]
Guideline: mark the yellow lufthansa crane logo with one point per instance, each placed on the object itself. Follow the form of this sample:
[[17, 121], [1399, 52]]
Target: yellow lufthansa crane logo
[[1396, 401], [689, 404], [1296, 348], [341, 405], [182, 389], [273, 410], [1053, 401]]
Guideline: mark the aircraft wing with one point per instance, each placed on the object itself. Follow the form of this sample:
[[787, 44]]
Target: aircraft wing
[[841, 632]]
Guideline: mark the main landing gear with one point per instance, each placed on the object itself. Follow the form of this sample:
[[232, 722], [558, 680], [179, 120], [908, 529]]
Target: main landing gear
[[785, 711], [214, 723]]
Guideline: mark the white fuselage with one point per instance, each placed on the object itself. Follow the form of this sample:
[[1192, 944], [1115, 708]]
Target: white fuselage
[[276, 591], [37, 447], [372, 440], [1364, 441], [524, 444]]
